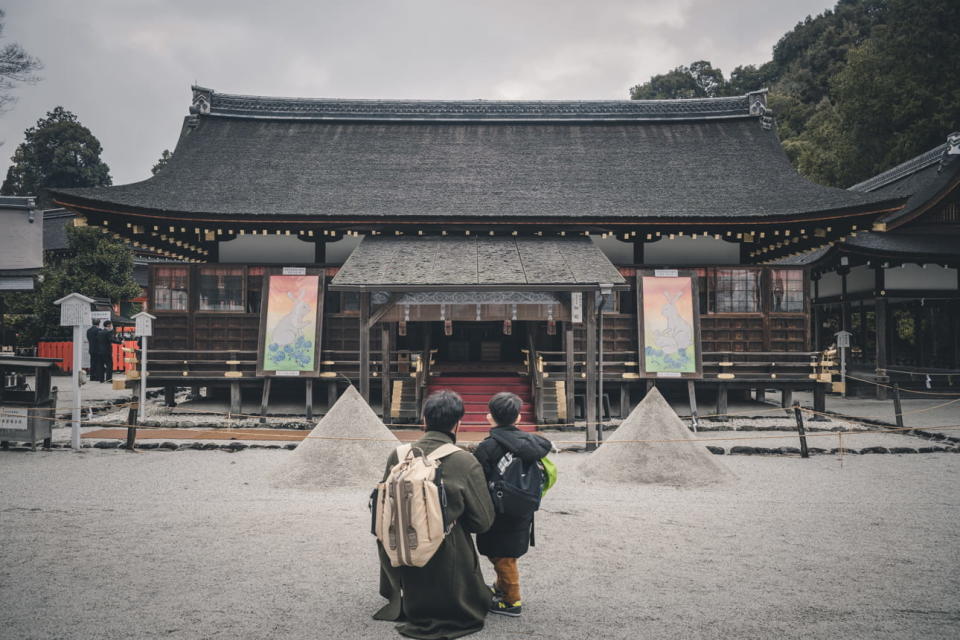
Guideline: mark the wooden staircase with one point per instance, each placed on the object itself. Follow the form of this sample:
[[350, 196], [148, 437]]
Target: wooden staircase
[[476, 391]]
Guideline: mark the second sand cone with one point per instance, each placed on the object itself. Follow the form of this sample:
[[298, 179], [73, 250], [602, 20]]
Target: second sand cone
[[678, 463], [323, 461]]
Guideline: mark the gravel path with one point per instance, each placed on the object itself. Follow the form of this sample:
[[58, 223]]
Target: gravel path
[[109, 544]]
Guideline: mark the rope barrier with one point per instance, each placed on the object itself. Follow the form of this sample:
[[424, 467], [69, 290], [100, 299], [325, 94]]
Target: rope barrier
[[902, 390]]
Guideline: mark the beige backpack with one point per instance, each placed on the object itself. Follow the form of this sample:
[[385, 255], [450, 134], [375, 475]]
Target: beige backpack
[[408, 507]]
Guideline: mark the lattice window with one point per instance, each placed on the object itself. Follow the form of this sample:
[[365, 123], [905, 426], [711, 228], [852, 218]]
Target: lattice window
[[221, 288], [254, 288], [786, 290], [171, 289], [736, 291]]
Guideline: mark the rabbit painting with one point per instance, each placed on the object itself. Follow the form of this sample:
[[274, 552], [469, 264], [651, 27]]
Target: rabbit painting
[[290, 326], [678, 334], [291, 318]]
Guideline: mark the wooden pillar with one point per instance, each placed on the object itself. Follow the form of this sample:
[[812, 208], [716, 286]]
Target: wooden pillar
[[844, 302], [880, 320], [570, 369], [364, 345], [331, 394], [590, 395], [236, 405], [637, 252], [308, 399], [320, 252], [722, 401], [265, 399], [624, 401], [817, 312], [169, 395], [862, 332], [786, 397], [386, 349]]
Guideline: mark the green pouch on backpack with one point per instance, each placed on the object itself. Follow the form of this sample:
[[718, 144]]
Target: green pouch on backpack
[[549, 474]]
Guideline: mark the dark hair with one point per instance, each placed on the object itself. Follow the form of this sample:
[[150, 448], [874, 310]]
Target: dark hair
[[107, 323], [442, 410], [504, 408]]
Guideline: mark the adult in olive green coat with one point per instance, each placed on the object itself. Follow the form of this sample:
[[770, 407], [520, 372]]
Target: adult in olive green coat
[[447, 597]]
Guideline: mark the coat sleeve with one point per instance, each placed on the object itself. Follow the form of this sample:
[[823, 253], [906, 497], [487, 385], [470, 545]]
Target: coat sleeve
[[478, 511]]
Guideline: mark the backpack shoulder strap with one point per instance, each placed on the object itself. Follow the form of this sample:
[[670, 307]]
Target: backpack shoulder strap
[[402, 451], [443, 451]]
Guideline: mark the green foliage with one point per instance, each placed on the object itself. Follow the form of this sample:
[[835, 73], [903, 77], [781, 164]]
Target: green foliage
[[16, 67], [162, 162], [57, 152], [95, 265], [855, 90], [699, 80]]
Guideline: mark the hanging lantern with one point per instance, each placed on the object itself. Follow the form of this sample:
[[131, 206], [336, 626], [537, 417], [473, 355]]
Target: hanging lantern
[[448, 327], [507, 327], [402, 328]]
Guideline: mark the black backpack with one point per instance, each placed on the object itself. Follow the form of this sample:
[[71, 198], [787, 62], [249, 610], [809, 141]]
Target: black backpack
[[517, 485]]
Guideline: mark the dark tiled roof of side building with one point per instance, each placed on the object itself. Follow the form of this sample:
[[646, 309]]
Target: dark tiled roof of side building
[[478, 160]]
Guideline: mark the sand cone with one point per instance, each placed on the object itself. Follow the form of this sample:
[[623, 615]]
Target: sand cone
[[320, 462], [671, 463]]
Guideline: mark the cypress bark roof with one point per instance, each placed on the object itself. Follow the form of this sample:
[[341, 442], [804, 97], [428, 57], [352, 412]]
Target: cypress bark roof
[[685, 160], [482, 262]]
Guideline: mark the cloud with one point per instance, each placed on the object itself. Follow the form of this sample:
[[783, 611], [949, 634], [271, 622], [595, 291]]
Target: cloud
[[125, 66]]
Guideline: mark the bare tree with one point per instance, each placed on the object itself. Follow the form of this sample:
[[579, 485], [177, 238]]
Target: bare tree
[[16, 67]]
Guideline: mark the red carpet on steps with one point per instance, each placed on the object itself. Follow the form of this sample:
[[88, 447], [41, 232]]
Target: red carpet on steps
[[476, 391]]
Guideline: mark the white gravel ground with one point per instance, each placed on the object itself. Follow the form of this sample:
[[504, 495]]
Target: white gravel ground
[[109, 544]]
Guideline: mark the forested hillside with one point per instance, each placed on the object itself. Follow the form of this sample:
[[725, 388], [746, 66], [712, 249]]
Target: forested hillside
[[855, 90]]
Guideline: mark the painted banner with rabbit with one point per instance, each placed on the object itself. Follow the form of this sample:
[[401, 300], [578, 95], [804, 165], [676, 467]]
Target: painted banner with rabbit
[[291, 323], [669, 326]]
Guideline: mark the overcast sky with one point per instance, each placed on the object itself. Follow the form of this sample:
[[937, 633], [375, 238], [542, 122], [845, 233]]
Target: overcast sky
[[125, 66]]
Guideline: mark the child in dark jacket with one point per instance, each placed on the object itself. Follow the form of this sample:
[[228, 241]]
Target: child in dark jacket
[[510, 536]]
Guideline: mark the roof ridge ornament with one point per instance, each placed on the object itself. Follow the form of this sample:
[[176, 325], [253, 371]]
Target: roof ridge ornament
[[757, 100], [202, 99]]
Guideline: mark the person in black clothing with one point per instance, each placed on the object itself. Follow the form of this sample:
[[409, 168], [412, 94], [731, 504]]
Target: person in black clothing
[[105, 341], [510, 536], [96, 366]]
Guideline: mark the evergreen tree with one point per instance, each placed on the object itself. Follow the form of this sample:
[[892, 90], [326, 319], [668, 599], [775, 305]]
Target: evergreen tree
[[57, 152], [162, 162], [94, 265]]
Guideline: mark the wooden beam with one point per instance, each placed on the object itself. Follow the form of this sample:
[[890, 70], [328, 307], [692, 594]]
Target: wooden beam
[[365, 345], [382, 311]]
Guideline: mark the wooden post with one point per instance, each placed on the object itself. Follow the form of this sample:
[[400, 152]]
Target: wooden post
[[624, 400], [844, 303], [897, 408], [133, 416], [569, 372], [386, 349], [761, 394], [880, 316], [786, 397], [638, 252], [309, 399], [722, 401], [236, 404], [692, 392], [819, 397], [800, 431], [815, 308], [320, 252], [170, 395], [365, 346], [590, 395], [265, 400], [331, 393]]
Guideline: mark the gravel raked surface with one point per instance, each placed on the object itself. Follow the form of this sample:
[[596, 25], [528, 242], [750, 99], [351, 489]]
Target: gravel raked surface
[[110, 544]]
